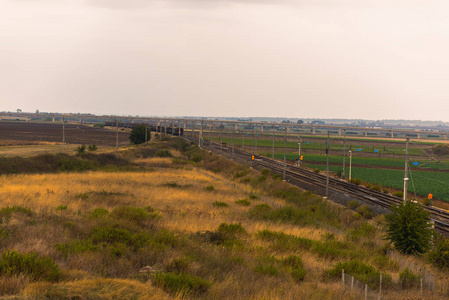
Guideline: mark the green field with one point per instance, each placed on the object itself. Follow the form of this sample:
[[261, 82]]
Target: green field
[[367, 161], [421, 183], [238, 142]]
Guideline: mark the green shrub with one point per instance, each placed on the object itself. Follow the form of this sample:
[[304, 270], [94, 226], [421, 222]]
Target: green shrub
[[75, 246], [6, 212], [232, 229], [220, 204], [36, 268], [316, 170], [99, 213], [163, 153], [294, 263], [285, 242], [277, 176], [376, 188], [408, 228], [181, 284], [383, 262], [92, 148], [367, 231], [197, 157], [439, 254], [265, 172], [61, 207], [365, 211], [355, 181], [408, 279], [241, 173], [267, 265], [81, 149], [254, 197], [209, 188], [361, 271], [178, 265], [353, 204], [243, 202], [83, 196], [399, 194], [135, 215]]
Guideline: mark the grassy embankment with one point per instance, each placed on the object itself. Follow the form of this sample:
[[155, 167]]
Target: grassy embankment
[[141, 224]]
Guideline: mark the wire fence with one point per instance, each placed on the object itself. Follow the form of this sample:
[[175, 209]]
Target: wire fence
[[356, 286]]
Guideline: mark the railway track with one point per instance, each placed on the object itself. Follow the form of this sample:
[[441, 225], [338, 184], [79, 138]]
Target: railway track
[[439, 216]]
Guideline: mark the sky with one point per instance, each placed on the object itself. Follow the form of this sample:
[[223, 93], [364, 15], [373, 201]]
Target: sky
[[358, 59]]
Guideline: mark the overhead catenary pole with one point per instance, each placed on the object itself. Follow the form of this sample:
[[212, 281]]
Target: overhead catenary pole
[[344, 154], [327, 165], [406, 170], [285, 145], [252, 143], [272, 151], [63, 134], [243, 145], [200, 136], [232, 142], [350, 164]]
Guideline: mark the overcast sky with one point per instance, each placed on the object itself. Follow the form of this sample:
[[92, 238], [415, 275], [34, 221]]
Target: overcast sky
[[371, 59]]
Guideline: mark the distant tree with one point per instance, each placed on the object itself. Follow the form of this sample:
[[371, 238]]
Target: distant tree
[[440, 149], [37, 111], [285, 121], [19, 110], [300, 122], [408, 228], [137, 135]]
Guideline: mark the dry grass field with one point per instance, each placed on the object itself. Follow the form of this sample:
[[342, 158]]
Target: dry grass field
[[172, 228]]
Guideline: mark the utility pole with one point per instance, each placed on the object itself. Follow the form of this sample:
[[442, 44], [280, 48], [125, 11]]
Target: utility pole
[[63, 134], [350, 164], [285, 145], [200, 136], [299, 154], [221, 141], [252, 143], [255, 152], [327, 166], [243, 147], [272, 152], [232, 142], [406, 170], [344, 154]]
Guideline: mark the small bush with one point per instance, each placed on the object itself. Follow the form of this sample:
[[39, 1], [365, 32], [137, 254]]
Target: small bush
[[36, 268], [254, 197], [316, 170], [399, 194], [197, 157], [294, 263], [376, 188], [427, 202], [265, 172], [83, 196], [353, 204], [243, 202], [365, 211], [163, 153], [277, 176], [178, 265], [6, 212], [355, 181], [99, 213], [181, 284], [209, 188], [439, 254], [81, 149], [136, 215], [408, 279], [92, 148], [361, 271], [61, 207], [232, 229], [267, 266], [220, 204]]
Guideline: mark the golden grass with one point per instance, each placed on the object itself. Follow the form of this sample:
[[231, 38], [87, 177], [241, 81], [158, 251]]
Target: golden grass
[[100, 288], [185, 208]]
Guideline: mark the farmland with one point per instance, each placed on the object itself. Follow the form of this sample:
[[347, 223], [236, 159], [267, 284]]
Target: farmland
[[30, 133], [133, 225]]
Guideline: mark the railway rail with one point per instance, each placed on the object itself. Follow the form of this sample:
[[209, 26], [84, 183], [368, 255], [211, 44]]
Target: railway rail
[[439, 216]]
